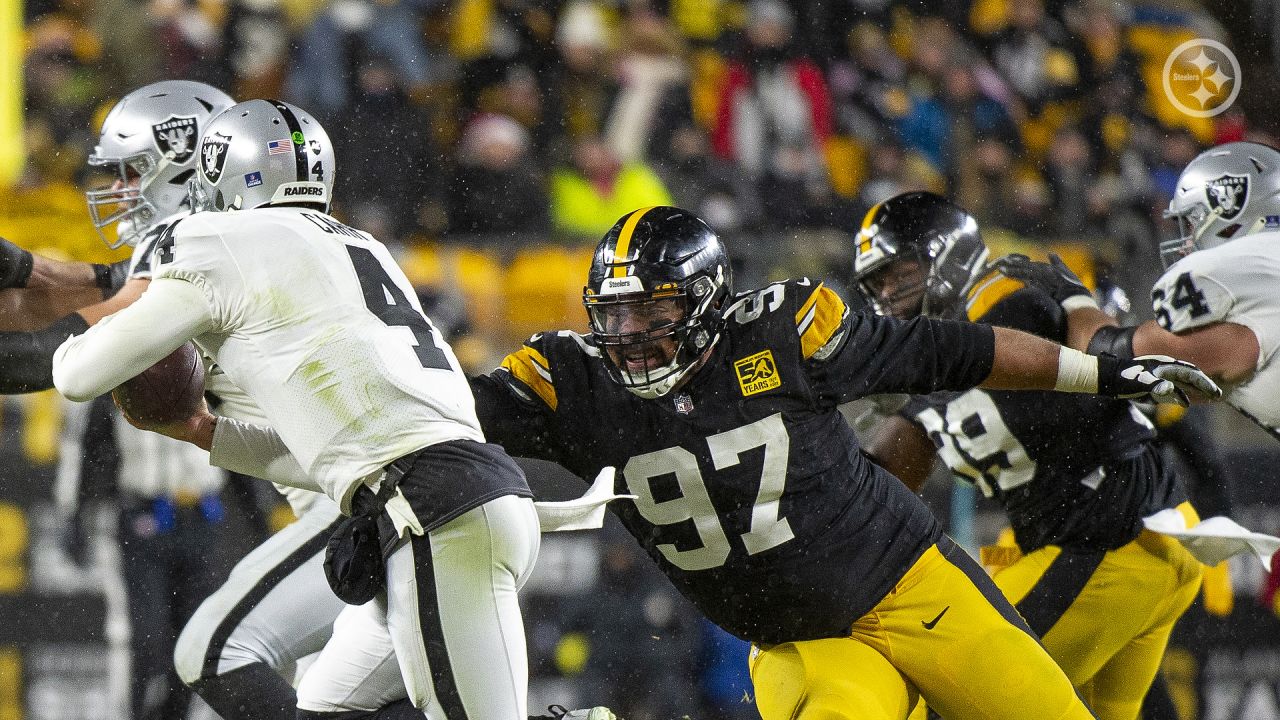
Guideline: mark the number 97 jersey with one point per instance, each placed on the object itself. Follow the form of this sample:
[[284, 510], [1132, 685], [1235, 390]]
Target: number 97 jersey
[[1235, 282]]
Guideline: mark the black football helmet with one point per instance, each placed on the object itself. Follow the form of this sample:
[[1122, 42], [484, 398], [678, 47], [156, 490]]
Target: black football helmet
[[658, 281], [930, 230]]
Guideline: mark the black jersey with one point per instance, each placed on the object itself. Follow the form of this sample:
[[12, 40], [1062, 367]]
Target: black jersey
[[1061, 465], [753, 494]]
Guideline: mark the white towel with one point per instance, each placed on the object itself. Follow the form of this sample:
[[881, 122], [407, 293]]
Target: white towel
[[1215, 539], [584, 513]]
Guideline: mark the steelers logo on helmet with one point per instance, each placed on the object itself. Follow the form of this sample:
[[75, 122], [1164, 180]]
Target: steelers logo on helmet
[[1228, 194], [654, 295], [176, 137], [213, 155]]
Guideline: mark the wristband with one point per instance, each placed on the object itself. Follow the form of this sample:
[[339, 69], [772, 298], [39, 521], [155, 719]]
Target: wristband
[[15, 265], [1075, 302], [1114, 340], [101, 275], [1077, 372]]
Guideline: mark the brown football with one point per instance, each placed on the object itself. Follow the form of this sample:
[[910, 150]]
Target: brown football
[[169, 391]]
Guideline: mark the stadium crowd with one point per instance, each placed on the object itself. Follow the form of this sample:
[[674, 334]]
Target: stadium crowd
[[492, 142]]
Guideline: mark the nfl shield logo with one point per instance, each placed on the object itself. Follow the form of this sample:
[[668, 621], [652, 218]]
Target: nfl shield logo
[[1228, 194], [213, 155], [176, 137], [684, 404]]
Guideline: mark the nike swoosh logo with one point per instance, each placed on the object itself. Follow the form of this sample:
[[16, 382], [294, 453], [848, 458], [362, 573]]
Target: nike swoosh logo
[[929, 625]]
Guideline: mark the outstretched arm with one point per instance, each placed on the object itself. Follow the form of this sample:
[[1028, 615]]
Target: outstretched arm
[[20, 268]]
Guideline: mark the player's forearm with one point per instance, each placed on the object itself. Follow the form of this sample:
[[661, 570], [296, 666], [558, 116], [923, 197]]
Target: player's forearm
[[130, 341], [1227, 352], [1083, 324], [257, 451], [20, 268], [1024, 362], [26, 358]]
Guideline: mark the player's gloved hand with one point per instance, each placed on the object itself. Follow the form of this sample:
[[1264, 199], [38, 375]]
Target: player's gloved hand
[[15, 265], [1155, 377], [1053, 277]]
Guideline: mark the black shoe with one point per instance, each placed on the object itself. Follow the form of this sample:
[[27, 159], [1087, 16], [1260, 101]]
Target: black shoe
[[558, 712]]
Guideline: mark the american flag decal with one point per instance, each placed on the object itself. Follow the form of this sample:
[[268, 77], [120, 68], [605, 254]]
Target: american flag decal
[[279, 147]]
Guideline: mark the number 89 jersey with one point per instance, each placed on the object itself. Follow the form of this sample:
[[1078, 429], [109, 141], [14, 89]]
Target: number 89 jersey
[[317, 324], [1235, 282], [1048, 458], [753, 495]]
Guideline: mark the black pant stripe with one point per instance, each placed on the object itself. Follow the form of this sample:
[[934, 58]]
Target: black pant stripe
[[957, 556], [443, 682], [1058, 587], [260, 590]]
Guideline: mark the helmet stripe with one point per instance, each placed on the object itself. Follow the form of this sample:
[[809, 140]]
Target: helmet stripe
[[623, 245], [295, 134], [864, 242]]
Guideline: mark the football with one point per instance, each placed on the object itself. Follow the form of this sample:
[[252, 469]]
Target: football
[[169, 391]]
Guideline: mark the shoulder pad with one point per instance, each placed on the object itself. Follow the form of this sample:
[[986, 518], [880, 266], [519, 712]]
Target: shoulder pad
[[988, 292], [530, 367], [820, 322]]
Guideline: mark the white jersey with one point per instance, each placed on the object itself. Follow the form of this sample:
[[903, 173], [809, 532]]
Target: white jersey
[[140, 263], [312, 319], [1234, 282]]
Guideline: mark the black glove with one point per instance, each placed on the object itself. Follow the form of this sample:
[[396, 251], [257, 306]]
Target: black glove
[[15, 265], [1156, 377], [1053, 277], [353, 562]]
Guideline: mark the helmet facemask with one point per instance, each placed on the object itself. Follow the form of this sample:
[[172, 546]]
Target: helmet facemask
[[124, 203], [1193, 222], [650, 341]]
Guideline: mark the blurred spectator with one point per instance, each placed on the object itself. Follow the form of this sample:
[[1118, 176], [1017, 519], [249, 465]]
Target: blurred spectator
[[581, 86], [1070, 173], [386, 152], [321, 77], [1036, 55], [653, 92], [62, 81], [496, 187], [589, 196], [862, 83], [709, 186], [772, 98]]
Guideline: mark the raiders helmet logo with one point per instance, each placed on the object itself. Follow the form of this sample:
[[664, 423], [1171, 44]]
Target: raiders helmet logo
[[1228, 195], [176, 137], [213, 155]]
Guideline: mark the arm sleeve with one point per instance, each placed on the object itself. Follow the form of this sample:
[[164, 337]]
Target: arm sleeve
[[119, 347], [512, 416], [26, 358], [257, 450], [919, 356]]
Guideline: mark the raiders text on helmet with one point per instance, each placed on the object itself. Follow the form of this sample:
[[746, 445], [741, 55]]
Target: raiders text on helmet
[[1227, 192], [929, 229], [151, 134], [652, 256], [264, 152]]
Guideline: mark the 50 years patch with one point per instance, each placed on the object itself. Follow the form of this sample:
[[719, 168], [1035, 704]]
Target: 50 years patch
[[757, 373]]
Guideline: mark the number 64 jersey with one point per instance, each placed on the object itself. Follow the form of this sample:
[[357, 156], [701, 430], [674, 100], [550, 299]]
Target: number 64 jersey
[[753, 495], [1235, 282]]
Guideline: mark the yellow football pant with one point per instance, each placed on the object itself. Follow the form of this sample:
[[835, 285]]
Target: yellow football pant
[[944, 631], [1106, 618]]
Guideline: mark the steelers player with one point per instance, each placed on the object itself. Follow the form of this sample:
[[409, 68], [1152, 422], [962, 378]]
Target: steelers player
[[752, 493], [1075, 474]]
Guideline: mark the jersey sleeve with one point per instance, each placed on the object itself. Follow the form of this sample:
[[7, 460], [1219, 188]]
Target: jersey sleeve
[[822, 322], [1006, 302], [517, 402], [1194, 293], [193, 250]]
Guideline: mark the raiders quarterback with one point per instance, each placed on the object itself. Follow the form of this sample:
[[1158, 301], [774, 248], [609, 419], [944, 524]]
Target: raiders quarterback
[[752, 494], [1215, 303], [1075, 474], [316, 323]]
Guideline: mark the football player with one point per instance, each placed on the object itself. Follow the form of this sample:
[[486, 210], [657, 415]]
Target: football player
[[317, 325], [242, 636], [752, 494], [1215, 303], [1075, 474]]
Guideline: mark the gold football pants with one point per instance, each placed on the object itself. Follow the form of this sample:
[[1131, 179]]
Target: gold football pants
[[944, 633]]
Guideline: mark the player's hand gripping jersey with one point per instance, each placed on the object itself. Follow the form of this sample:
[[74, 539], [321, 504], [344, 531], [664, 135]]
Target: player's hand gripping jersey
[[1234, 282], [1076, 488], [753, 494], [353, 375]]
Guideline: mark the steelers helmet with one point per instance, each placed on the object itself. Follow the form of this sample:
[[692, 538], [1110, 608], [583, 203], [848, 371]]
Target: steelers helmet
[[926, 228], [1227, 192], [264, 152], [151, 134], [660, 275]]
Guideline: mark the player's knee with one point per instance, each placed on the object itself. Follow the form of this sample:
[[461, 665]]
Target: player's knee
[[836, 679]]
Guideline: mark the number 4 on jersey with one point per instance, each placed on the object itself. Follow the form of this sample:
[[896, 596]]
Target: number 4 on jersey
[[387, 301]]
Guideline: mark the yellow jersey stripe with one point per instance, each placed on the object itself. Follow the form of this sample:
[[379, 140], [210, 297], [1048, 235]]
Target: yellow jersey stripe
[[623, 245], [818, 320], [531, 368], [989, 292]]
